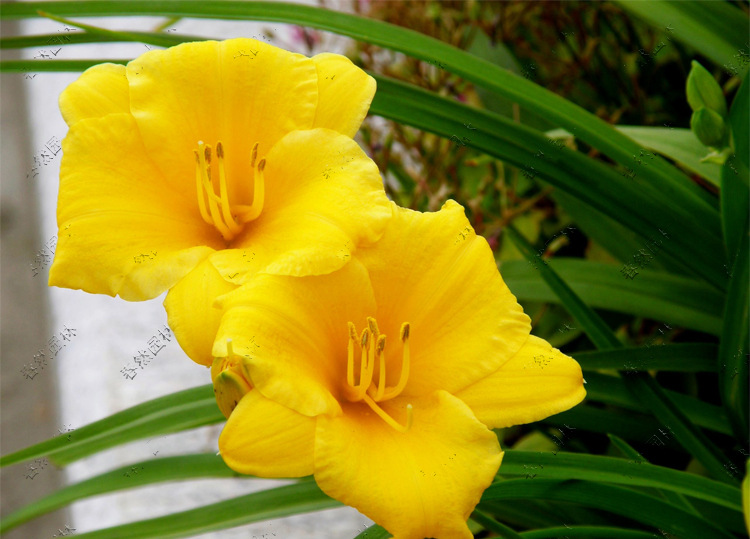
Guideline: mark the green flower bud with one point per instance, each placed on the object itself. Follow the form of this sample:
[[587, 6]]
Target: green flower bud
[[704, 91], [709, 127]]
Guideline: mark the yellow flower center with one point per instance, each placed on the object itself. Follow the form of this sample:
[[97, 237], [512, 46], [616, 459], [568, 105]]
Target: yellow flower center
[[215, 207], [372, 344]]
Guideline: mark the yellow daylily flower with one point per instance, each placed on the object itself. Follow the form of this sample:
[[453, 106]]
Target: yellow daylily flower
[[235, 152], [384, 378]]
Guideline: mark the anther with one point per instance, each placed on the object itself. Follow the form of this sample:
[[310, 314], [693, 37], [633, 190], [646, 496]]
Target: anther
[[404, 333], [373, 325], [254, 155]]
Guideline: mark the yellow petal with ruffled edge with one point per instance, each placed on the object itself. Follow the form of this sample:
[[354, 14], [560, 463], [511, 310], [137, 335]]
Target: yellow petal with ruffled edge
[[324, 198], [100, 90], [238, 91], [539, 381], [191, 312], [121, 229], [432, 271], [267, 439], [345, 93], [292, 333], [422, 483]]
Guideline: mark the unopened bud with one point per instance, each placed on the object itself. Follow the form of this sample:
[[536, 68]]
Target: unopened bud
[[703, 91], [709, 127]]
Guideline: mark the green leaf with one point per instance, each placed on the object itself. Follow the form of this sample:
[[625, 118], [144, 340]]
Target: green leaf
[[648, 391], [374, 532], [162, 40], [493, 525], [97, 35], [681, 357], [603, 469], [617, 239], [675, 498], [612, 390], [734, 349], [131, 476], [594, 532], [735, 181], [522, 513], [303, 497], [659, 296], [641, 384], [54, 66], [734, 370], [183, 410], [621, 501], [676, 143], [716, 29], [626, 424]]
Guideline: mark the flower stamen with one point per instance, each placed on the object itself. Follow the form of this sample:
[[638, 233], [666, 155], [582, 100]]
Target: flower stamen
[[381, 375], [394, 391], [216, 209], [372, 344], [350, 353]]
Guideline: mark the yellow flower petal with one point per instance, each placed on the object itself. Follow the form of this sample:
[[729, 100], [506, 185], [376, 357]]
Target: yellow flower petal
[[238, 91], [100, 90], [191, 312], [345, 93], [292, 333], [537, 382], [183, 141], [267, 439], [324, 197], [121, 229], [432, 271], [422, 483]]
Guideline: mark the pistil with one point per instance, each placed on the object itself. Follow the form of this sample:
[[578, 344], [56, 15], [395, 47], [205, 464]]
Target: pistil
[[230, 384]]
